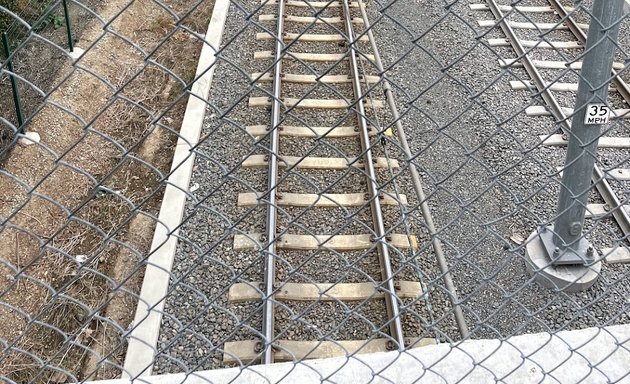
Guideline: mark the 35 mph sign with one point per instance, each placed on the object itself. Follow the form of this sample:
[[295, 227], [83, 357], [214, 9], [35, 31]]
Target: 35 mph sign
[[596, 114]]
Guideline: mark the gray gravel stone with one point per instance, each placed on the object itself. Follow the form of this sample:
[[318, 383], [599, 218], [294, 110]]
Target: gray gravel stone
[[487, 178]]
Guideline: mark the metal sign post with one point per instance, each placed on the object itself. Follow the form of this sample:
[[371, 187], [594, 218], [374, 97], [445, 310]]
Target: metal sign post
[[567, 244], [558, 255]]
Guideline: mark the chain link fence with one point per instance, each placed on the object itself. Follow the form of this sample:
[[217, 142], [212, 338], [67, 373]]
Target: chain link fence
[[192, 186]]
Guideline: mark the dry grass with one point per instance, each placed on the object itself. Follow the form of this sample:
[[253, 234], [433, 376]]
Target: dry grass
[[54, 308]]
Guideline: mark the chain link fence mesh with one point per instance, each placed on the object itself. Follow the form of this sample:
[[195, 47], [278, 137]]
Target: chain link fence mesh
[[403, 182]]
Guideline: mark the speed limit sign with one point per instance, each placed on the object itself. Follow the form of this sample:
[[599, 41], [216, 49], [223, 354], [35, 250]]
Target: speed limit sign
[[596, 114]]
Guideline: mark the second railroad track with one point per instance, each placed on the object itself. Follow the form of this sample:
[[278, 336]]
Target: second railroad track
[[332, 202]]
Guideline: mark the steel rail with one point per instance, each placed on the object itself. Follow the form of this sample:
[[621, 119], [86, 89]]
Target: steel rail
[[391, 300], [622, 86], [269, 250], [531, 69], [602, 185], [417, 183]]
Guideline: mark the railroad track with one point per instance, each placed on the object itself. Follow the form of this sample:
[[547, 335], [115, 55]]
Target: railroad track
[[529, 29], [320, 86]]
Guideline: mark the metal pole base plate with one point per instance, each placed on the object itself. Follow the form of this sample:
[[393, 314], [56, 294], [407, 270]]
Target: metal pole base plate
[[567, 278], [581, 253]]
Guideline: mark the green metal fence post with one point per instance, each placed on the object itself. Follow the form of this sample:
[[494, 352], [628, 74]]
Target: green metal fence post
[[16, 92], [68, 30]]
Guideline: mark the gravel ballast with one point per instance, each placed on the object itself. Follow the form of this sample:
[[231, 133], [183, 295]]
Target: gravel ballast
[[489, 183], [490, 180]]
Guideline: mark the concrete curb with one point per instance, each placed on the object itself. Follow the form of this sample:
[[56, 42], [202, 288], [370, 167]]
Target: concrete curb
[[144, 337], [592, 355]]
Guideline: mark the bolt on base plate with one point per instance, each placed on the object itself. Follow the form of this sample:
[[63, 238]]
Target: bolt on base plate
[[582, 254], [567, 278]]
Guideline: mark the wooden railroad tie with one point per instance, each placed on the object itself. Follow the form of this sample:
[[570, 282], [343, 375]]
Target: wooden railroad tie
[[324, 200], [519, 85], [310, 4], [617, 255], [597, 211], [248, 351], [603, 142], [306, 56], [324, 242], [618, 174], [313, 38], [242, 292], [550, 64], [332, 163], [310, 19], [527, 25], [314, 103], [312, 79], [518, 8], [296, 131], [537, 44]]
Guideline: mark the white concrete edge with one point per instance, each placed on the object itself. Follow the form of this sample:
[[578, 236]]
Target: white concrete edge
[[592, 355], [143, 339]]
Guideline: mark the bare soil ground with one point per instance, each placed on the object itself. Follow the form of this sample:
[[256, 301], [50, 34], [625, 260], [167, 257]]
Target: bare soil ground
[[76, 210], [36, 61]]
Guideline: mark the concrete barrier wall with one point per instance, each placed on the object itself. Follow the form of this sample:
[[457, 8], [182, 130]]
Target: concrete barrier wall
[[593, 355]]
